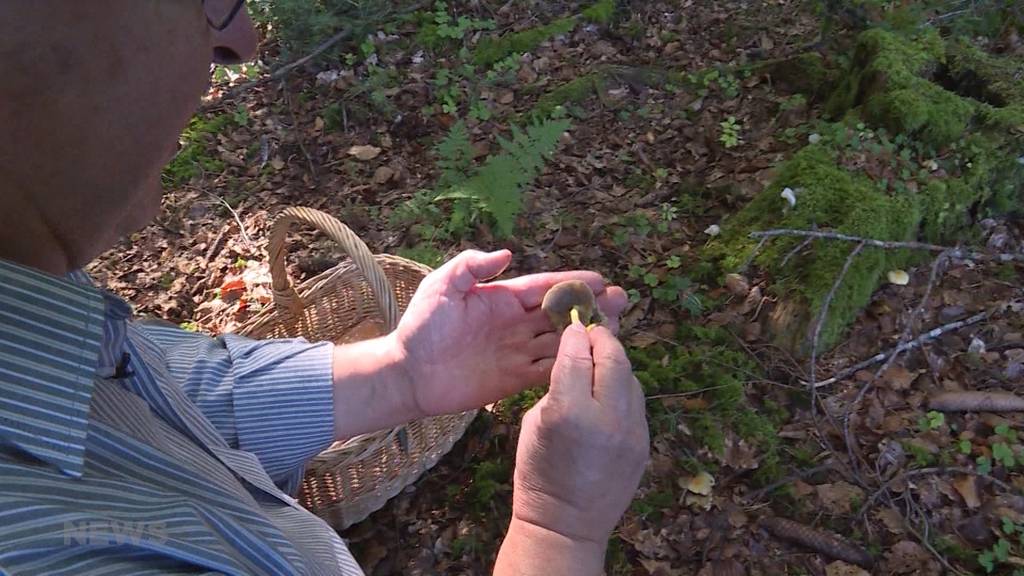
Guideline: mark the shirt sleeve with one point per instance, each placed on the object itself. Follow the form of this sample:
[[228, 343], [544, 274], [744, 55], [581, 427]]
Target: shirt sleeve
[[273, 398]]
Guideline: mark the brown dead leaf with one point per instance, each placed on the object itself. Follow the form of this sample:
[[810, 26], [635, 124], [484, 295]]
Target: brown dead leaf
[[891, 518], [840, 568], [838, 498], [898, 378], [739, 455], [907, 557], [382, 175], [967, 486], [802, 489], [737, 284], [364, 152]]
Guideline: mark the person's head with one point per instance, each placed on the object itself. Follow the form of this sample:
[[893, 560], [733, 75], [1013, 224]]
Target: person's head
[[93, 99]]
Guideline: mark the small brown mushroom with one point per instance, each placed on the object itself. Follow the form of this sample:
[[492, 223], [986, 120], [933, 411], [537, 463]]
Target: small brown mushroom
[[570, 295]]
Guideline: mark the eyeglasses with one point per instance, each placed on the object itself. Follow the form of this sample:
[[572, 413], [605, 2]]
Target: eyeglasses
[[220, 13]]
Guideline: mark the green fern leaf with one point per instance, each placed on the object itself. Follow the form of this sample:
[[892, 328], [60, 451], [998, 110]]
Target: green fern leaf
[[455, 155], [498, 185]]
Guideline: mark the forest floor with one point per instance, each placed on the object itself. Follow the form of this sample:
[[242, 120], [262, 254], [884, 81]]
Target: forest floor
[[643, 172]]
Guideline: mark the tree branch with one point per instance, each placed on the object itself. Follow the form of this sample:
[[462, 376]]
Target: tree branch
[[891, 245]]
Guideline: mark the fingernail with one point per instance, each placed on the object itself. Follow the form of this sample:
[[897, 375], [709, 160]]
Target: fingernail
[[574, 314]]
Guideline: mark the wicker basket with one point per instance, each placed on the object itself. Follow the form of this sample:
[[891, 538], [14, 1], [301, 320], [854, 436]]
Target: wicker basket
[[358, 299]]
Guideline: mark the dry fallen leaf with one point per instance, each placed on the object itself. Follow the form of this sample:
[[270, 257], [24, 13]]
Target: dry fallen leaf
[[382, 175], [907, 557], [891, 518], [967, 486], [364, 152], [737, 284], [838, 498], [898, 378]]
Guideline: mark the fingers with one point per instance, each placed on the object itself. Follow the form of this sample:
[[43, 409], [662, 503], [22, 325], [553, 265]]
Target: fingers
[[612, 303], [573, 372], [471, 267], [530, 289], [614, 383]]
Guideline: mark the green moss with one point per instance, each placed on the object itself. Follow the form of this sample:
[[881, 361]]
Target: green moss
[[804, 73], [194, 157], [986, 77], [601, 12], [833, 198], [572, 92], [491, 49], [711, 367], [934, 115], [890, 78]]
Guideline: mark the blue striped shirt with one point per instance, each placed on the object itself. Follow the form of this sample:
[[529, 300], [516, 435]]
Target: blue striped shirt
[[180, 464]]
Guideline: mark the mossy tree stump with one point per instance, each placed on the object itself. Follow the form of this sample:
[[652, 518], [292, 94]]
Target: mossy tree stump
[[958, 124]]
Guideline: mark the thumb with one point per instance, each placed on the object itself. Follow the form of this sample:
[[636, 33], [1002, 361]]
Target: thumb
[[471, 267], [572, 376]]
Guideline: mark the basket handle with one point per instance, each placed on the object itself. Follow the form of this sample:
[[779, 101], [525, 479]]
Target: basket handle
[[285, 295]]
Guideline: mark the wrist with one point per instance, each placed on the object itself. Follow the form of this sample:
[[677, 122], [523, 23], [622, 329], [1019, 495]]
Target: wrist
[[530, 549], [402, 370]]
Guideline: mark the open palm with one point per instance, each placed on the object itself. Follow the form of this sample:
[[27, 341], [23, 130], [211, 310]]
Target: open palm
[[469, 343]]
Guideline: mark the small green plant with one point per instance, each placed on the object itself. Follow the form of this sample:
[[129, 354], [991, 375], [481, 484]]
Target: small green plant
[[730, 86], [984, 465], [443, 27], [424, 253], [998, 554], [1002, 451], [480, 111], [447, 90], [503, 70], [668, 214], [932, 421], [730, 135], [490, 479]]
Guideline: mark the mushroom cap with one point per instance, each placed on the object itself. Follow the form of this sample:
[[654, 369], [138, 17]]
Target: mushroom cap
[[563, 297]]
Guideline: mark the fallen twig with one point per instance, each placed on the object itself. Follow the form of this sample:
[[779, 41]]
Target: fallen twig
[[976, 401], [238, 220], [298, 135], [285, 69], [926, 472], [891, 245], [902, 347], [848, 433], [820, 541], [278, 73], [822, 316]]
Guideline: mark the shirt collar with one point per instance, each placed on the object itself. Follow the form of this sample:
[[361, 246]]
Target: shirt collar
[[57, 335]]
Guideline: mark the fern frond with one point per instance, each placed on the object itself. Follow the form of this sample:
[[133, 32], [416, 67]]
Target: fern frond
[[454, 155], [497, 186]]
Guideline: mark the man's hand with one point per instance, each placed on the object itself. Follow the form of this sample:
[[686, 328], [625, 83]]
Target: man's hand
[[466, 344], [582, 451]]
